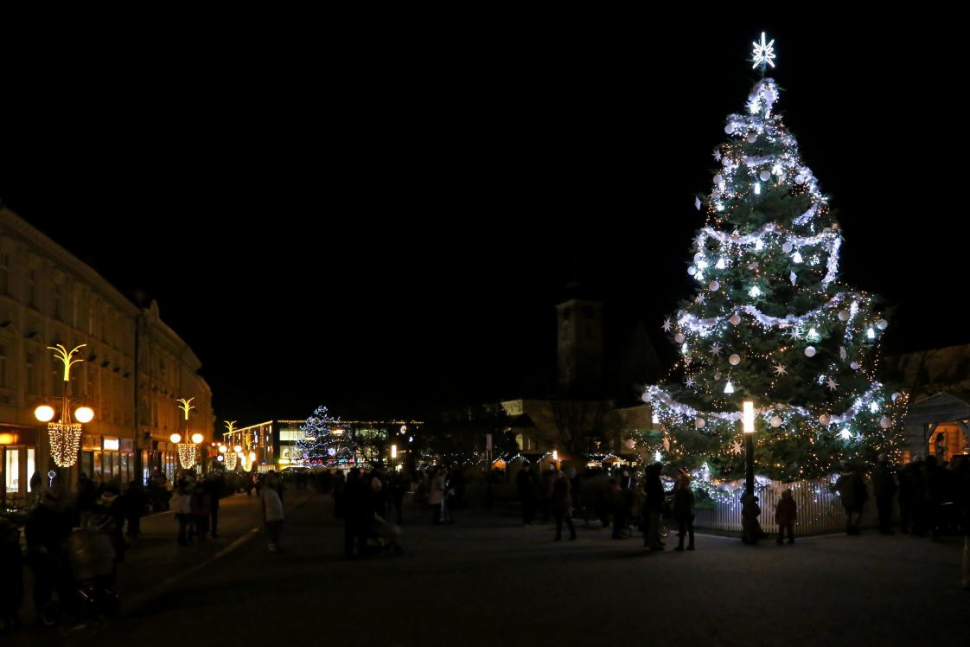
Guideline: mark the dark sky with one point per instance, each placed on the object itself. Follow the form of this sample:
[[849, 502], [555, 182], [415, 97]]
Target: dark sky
[[381, 219]]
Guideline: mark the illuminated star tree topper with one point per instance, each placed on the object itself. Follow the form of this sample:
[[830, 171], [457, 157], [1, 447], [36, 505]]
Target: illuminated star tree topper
[[764, 53]]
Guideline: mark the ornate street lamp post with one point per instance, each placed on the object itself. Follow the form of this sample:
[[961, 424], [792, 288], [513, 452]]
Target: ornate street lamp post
[[65, 434]]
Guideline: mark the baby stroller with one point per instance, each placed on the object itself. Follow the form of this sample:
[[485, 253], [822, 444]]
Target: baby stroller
[[85, 593], [383, 536]]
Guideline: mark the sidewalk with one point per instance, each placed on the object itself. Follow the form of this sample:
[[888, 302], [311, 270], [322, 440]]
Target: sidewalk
[[155, 561]]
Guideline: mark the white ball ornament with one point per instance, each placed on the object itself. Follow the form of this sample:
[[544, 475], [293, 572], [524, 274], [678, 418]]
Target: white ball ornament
[[692, 270], [717, 376], [718, 179], [843, 315], [885, 423], [882, 324], [799, 179], [810, 351], [714, 286], [895, 396], [735, 359], [787, 247], [735, 319], [765, 176], [698, 257], [679, 338], [824, 419], [775, 422], [699, 423], [729, 129], [854, 366], [752, 138]]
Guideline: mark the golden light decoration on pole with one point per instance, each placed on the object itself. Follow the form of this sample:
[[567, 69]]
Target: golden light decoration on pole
[[230, 461], [65, 435], [187, 450]]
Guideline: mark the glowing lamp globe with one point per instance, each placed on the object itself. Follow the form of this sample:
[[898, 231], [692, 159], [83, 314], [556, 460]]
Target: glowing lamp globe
[[44, 413], [222, 449], [84, 414], [252, 456], [237, 449], [197, 438], [175, 438]]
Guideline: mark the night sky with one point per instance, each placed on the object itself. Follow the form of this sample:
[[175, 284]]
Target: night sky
[[383, 222]]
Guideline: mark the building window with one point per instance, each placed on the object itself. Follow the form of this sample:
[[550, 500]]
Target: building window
[[31, 374], [32, 288], [4, 273]]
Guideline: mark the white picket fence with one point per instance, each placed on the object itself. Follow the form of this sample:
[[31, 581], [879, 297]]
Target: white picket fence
[[819, 509]]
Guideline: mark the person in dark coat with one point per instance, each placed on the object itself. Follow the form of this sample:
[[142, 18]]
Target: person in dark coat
[[911, 495], [751, 530], [354, 515], [213, 485], [935, 484], [11, 577], [339, 485], [884, 488], [786, 514], [684, 509], [133, 504], [47, 531], [562, 504], [653, 507], [525, 483], [853, 495]]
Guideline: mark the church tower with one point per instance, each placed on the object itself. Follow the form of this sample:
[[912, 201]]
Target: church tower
[[580, 346]]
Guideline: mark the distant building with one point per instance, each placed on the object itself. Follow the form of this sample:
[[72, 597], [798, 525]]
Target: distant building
[[938, 418], [274, 444], [134, 366]]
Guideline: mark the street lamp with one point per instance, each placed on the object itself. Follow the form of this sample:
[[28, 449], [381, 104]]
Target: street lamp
[[747, 418], [65, 435]]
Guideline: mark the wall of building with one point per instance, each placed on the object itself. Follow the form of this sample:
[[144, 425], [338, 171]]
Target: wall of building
[[49, 297]]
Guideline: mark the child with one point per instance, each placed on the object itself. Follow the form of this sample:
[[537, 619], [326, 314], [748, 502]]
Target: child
[[785, 515]]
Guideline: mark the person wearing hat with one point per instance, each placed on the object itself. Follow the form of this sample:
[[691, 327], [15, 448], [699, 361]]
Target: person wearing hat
[[684, 509], [786, 513]]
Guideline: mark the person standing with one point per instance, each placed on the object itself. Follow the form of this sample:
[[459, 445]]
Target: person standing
[[11, 577], [183, 513], [213, 487], [853, 494], [562, 505], [353, 496], [653, 505], [684, 509], [436, 495], [884, 487], [134, 504], [527, 494], [786, 513], [272, 511], [910, 496], [200, 511]]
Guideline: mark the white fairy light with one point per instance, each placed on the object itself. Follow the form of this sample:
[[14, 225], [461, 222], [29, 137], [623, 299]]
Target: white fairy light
[[755, 292], [757, 188]]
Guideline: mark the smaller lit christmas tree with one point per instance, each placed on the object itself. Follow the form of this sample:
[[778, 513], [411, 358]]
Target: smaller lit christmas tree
[[324, 439]]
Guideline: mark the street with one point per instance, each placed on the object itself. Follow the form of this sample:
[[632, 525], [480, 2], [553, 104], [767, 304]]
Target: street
[[488, 580]]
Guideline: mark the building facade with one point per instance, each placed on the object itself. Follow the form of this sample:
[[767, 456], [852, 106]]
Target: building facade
[[134, 366]]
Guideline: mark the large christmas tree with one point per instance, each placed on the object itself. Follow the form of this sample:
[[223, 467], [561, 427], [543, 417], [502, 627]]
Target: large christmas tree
[[770, 322]]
